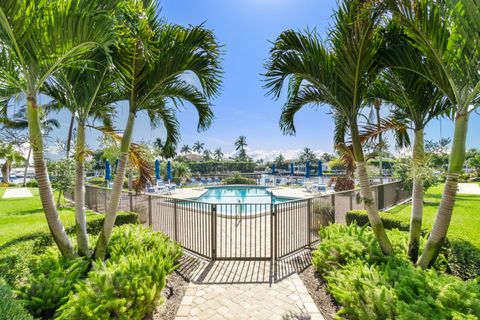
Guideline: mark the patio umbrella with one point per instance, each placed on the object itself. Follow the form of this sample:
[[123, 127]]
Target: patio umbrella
[[292, 168], [116, 165], [169, 171], [157, 169], [320, 169], [307, 170], [107, 171], [273, 168]]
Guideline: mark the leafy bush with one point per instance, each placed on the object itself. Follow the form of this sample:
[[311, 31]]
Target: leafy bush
[[32, 184], [51, 281], [342, 183], [324, 214], [94, 227], [405, 169], [360, 217], [237, 178], [341, 244], [204, 167], [369, 285], [11, 309], [129, 284]]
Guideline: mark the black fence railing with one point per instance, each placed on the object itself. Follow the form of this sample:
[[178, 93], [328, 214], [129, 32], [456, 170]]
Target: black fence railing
[[237, 231]]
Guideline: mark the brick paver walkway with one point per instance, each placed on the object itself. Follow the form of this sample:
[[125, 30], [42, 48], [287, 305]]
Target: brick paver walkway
[[287, 299], [245, 290]]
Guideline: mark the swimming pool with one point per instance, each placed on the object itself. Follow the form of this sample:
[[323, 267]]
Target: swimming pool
[[240, 195]]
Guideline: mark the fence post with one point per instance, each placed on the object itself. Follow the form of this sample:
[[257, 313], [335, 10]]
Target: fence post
[[105, 201], [381, 196], [273, 244], [332, 201], [309, 221], [214, 231], [130, 200], [150, 218], [352, 194], [175, 231]]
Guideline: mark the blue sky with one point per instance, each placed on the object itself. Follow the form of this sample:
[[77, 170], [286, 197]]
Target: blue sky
[[245, 28]]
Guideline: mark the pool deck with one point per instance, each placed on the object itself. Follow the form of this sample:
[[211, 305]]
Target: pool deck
[[281, 192]]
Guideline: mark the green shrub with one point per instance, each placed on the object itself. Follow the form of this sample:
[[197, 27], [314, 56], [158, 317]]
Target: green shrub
[[32, 184], [94, 227], [324, 214], [204, 167], [237, 178], [340, 244], [51, 281], [129, 284], [361, 219], [369, 285], [11, 309]]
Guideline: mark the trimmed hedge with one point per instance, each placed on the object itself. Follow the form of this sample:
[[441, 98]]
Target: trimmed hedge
[[94, 227], [221, 166], [361, 218], [463, 259]]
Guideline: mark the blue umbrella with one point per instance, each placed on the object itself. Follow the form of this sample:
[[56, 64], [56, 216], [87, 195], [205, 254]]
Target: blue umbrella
[[273, 168], [107, 171], [307, 170], [169, 170], [320, 169], [157, 169], [116, 165], [292, 168]]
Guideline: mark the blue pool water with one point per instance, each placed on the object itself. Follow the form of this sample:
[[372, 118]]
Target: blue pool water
[[240, 195]]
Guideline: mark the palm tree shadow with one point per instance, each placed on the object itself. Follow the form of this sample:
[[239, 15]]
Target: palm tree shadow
[[296, 315]]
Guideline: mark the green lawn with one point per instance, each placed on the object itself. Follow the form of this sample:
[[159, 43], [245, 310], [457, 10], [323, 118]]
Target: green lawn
[[20, 217], [465, 222]]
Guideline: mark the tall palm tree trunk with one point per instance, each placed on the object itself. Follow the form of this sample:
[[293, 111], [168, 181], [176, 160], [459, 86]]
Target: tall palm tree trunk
[[69, 136], [79, 194], [46, 195], [417, 198], [111, 213], [444, 213], [367, 196], [27, 162], [6, 172]]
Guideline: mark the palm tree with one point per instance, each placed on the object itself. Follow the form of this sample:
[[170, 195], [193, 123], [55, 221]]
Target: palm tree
[[307, 154], [88, 94], [207, 155], [185, 149], [19, 121], [32, 49], [338, 74], [11, 156], [198, 146], [446, 33], [416, 102], [218, 154], [152, 58], [240, 145]]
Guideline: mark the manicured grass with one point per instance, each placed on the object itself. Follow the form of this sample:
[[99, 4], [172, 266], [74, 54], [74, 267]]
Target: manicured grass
[[20, 217], [465, 219]]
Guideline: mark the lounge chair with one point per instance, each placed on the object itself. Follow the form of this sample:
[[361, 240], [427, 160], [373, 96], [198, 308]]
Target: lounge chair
[[209, 180], [216, 180]]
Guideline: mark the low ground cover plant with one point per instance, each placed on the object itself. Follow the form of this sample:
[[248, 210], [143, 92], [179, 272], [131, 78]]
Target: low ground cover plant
[[369, 285], [10, 308], [125, 286]]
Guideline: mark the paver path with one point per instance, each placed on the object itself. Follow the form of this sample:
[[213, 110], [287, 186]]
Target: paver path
[[287, 299], [17, 193], [468, 188]]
